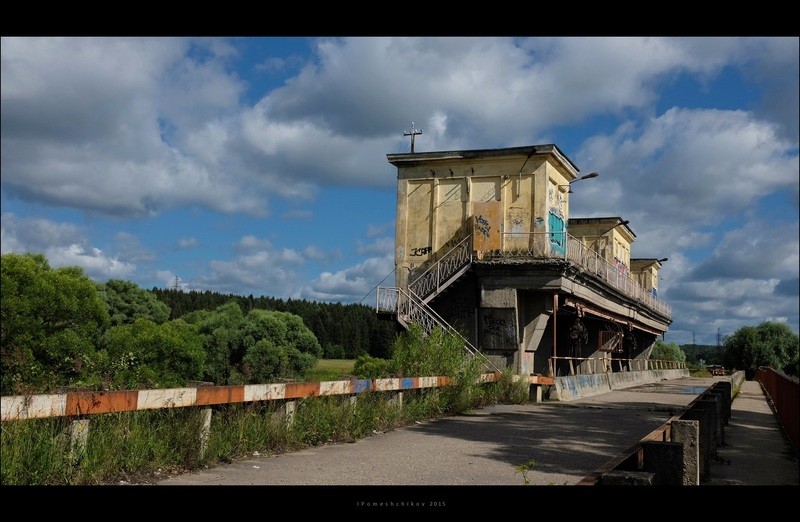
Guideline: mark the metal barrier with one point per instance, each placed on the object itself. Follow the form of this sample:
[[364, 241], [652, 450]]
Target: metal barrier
[[784, 393], [597, 365]]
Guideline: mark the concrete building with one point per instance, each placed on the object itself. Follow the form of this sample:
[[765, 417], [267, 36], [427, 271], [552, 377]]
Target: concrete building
[[485, 245]]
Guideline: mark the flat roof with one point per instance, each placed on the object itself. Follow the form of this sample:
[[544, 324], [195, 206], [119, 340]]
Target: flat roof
[[612, 220], [412, 158]]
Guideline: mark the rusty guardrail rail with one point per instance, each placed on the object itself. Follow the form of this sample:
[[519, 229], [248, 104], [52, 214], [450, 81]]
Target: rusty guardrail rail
[[597, 365], [784, 393]]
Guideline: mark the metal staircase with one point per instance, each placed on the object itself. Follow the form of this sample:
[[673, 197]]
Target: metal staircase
[[411, 305]]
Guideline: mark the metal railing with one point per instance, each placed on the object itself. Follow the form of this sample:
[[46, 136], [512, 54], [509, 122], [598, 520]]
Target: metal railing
[[549, 245], [784, 392], [598, 365], [434, 278], [409, 308]]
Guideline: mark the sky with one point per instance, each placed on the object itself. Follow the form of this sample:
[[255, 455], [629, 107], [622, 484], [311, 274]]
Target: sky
[[258, 165]]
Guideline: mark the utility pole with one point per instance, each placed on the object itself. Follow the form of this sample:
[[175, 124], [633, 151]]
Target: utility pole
[[413, 132]]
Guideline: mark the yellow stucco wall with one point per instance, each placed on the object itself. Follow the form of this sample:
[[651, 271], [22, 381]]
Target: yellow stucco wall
[[436, 201]]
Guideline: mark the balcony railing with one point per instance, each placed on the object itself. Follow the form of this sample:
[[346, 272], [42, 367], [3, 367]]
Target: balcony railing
[[550, 245]]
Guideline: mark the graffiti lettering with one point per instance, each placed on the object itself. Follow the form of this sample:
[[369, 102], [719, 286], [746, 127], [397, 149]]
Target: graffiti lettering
[[483, 225], [421, 251], [495, 326]]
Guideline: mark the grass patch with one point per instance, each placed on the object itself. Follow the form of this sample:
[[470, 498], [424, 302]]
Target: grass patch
[[330, 370], [700, 372]]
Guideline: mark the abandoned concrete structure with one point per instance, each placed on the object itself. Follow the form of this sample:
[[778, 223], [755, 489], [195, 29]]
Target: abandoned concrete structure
[[485, 245]]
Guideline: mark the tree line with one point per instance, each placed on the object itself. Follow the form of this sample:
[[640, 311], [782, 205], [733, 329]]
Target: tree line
[[770, 343], [345, 331]]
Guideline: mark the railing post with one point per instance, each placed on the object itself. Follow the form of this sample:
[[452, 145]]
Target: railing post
[[79, 433], [290, 409], [205, 431]]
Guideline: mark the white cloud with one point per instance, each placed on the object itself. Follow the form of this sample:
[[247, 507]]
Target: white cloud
[[135, 126], [258, 268], [749, 252], [380, 246], [728, 304], [63, 244], [685, 171], [350, 284]]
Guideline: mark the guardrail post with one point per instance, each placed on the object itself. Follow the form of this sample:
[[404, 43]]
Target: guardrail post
[[687, 432], [205, 431], [535, 393], [290, 408], [79, 433], [397, 400]]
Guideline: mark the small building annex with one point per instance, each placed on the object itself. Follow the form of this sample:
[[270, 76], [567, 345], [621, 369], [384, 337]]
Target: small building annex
[[485, 244]]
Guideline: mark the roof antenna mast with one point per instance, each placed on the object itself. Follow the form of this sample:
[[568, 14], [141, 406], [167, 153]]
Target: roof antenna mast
[[413, 132]]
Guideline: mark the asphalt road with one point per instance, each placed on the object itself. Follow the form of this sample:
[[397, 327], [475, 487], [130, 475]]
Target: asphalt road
[[555, 443]]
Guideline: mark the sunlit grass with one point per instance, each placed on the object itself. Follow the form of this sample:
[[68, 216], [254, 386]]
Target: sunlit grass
[[330, 370]]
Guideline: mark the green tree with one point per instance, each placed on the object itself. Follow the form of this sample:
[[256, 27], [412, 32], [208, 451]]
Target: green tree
[[144, 354], [664, 351], [278, 344], [223, 341], [50, 321], [770, 344], [127, 302]]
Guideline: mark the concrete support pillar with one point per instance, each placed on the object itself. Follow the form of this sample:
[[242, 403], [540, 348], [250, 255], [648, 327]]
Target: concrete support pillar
[[723, 413], [205, 430], [79, 433], [353, 400], [715, 403], [535, 393], [665, 461], [290, 408], [703, 414], [626, 478], [687, 432], [727, 395]]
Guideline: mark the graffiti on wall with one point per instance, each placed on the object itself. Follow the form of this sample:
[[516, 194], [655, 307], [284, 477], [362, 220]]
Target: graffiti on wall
[[420, 251], [498, 328], [482, 226]]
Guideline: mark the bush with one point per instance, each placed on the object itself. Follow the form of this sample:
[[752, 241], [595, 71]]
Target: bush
[[368, 367]]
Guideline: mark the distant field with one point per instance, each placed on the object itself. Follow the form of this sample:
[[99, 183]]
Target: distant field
[[330, 369]]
